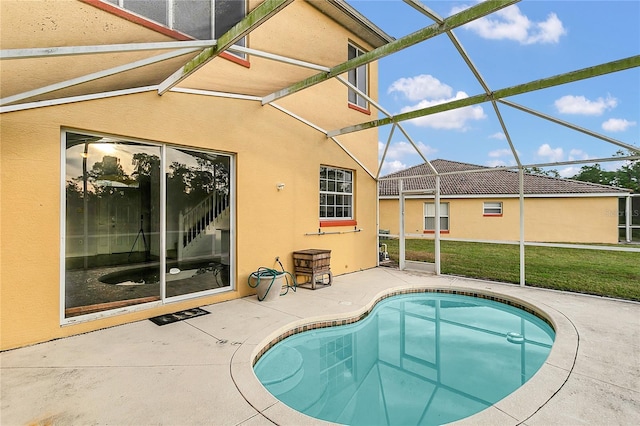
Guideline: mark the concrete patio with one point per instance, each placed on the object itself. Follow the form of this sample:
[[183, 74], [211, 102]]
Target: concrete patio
[[198, 371]]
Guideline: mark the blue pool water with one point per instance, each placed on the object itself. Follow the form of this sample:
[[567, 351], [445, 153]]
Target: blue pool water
[[417, 359]]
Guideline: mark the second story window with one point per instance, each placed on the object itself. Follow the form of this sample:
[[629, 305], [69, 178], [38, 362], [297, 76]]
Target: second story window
[[359, 78], [201, 19]]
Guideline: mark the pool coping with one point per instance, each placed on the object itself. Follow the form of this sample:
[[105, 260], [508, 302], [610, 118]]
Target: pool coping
[[515, 408]]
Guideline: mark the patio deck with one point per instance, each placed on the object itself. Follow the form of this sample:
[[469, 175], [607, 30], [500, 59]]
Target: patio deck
[[198, 371]]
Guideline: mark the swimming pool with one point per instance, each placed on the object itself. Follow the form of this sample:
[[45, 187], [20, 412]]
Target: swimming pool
[[421, 358]]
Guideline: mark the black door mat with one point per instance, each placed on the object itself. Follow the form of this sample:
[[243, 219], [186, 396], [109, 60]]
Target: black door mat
[[178, 316]]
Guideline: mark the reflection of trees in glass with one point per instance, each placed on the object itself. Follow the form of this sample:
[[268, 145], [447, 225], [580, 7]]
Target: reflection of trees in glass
[[188, 185], [109, 169], [144, 165], [106, 176]]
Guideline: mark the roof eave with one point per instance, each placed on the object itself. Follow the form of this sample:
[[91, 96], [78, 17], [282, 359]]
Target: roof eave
[[488, 196], [347, 16]]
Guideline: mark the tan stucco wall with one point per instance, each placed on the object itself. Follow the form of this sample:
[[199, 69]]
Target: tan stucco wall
[[269, 147], [569, 220]]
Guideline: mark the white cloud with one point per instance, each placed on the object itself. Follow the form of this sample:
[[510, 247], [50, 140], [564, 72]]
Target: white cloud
[[392, 167], [578, 154], [569, 171], [580, 105], [401, 155], [423, 86], [551, 154], [402, 149], [452, 119], [501, 157], [498, 135], [617, 125], [511, 24], [500, 153], [495, 163]]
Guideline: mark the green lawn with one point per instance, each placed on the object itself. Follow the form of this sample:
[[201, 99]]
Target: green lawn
[[603, 273]]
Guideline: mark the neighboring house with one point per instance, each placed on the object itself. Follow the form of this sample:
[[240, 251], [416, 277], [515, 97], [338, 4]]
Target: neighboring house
[[128, 192], [485, 205]]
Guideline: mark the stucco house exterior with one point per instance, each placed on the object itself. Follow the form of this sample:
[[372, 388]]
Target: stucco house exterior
[[479, 203], [140, 177]]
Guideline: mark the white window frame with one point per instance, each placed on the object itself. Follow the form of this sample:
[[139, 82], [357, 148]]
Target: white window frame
[[359, 77], [429, 213], [492, 208], [327, 190], [164, 299]]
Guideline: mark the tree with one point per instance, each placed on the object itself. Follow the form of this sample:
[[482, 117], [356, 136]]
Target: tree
[[538, 171], [627, 176], [595, 174]]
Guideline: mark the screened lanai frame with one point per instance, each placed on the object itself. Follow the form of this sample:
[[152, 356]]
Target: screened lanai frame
[[209, 49]]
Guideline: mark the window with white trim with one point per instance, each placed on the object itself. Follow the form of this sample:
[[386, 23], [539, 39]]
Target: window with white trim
[[336, 193], [201, 19], [430, 216], [359, 78], [492, 208]]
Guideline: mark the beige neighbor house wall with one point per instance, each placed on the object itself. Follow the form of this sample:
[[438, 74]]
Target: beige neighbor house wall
[[557, 219], [268, 147]]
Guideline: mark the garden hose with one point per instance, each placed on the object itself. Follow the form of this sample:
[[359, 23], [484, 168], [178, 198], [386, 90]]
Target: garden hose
[[268, 273]]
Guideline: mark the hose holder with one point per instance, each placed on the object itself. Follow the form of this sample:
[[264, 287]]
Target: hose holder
[[270, 275]]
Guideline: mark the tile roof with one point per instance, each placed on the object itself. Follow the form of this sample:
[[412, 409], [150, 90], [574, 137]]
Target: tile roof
[[489, 182]]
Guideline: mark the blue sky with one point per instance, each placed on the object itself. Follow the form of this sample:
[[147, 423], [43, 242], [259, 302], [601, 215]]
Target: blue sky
[[525, 42]]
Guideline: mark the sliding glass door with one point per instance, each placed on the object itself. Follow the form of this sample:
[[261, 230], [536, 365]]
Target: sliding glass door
[[198, 221], [115, 198]]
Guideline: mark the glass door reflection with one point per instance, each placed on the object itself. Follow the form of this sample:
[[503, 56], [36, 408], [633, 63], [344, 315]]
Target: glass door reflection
[[197, 221]]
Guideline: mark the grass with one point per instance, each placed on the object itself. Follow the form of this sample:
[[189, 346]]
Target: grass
[[602, 273]]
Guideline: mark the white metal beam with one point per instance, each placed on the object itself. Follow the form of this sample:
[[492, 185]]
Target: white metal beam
[[254, 19], [103, 48], [279, 58], [321, 130], [545, 83], [215, 94], [73, 99], [571, 126], [454, 21], [94, 76], [388, 114]]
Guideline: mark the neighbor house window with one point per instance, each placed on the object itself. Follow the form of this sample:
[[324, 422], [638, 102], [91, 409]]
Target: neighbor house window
[[492, 209], [201, 19], [430, 217], [358, 77], [336, 194]]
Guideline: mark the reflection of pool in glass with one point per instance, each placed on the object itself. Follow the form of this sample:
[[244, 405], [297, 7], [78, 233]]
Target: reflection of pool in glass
[[422, 358], [151, 274]]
